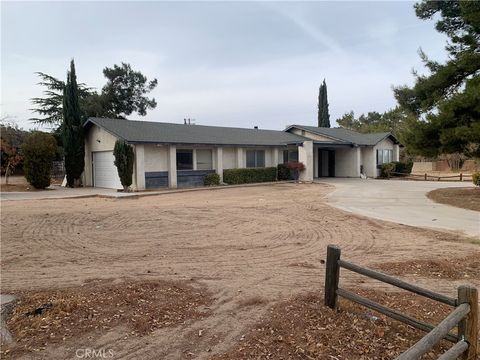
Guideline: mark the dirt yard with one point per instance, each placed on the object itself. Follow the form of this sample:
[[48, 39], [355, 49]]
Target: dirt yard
[[245, 250], [460, 197]]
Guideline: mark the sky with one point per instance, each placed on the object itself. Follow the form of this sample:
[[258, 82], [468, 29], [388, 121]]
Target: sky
[[239, 64]]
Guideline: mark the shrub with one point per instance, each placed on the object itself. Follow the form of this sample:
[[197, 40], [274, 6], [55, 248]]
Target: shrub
[[386, 170], [124, 157], [403, 167], [212, 179], [251, 175], [283, 172], [476, 178], [39, 152], [296, 167]]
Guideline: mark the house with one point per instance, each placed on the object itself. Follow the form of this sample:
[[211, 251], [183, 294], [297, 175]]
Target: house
[[180, 155]]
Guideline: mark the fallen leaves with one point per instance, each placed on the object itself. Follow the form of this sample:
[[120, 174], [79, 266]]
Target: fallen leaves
[[452, 268], [303, 328], [97, 307]]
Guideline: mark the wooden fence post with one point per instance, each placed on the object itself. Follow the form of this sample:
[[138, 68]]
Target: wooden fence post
[[461, 177], [468, 327], [425, 176], [332, 276]]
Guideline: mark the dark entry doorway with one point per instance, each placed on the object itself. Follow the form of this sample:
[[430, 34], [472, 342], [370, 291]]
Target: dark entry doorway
[[326, 163]]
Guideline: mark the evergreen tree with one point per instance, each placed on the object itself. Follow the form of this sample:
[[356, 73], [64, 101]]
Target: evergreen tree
[[445, 101], [124, 157], [323, 115], [73, 139], [125, 92]]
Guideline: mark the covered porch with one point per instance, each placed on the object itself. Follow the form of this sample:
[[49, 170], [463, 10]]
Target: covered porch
[[336, 160]]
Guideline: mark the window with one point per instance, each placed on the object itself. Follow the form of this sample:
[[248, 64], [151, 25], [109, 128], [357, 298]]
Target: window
[[255, 158], [204, 159], [184, 159], [384, 156], [290, 155]]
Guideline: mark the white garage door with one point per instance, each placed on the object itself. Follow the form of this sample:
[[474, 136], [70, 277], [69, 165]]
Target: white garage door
[[104, 171]]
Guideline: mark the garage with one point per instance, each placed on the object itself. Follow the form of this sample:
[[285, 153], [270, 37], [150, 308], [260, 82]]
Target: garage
[[104, 170]]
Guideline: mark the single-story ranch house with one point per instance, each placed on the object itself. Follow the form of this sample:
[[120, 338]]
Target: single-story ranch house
[[176, 155]]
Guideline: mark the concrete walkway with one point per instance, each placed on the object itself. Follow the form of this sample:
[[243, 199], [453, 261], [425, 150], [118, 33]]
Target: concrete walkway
[[58, 192], [403, 202]]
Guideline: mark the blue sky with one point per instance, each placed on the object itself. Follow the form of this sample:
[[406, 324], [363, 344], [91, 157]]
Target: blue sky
[[221, 63]]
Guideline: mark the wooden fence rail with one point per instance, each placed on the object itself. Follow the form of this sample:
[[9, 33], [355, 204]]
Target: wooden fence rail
[[461, 176], [464, 316]]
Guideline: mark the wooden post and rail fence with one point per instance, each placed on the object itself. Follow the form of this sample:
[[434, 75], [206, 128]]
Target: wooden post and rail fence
[[464, 316], [426, 177]]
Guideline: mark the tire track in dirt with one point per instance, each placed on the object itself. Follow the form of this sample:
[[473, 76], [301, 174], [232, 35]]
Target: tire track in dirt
[[240, 243]]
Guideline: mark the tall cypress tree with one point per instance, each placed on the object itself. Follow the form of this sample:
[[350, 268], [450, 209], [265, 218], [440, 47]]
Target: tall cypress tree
[[73, 139], [323, 115]]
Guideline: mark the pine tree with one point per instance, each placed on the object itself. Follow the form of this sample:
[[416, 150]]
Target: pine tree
[[323, 115], [73, 139]]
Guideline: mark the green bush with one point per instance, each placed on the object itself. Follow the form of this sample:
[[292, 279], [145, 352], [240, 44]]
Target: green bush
[[39, 150], [124, 157], [476, 178], [283, 172], [386, 170], [251, 175], [403, 167], [212, 179]]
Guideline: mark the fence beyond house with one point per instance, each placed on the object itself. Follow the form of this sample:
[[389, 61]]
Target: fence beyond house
[[428, 177], [442, 166], [464, 316]]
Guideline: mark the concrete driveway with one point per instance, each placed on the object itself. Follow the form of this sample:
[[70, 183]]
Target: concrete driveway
[[403, 202]]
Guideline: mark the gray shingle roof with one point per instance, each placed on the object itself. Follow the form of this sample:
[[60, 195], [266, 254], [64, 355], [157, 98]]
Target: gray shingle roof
[[157, 132], [346, 135]]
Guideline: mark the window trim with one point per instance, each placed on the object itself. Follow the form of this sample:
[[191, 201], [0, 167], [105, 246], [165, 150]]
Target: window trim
[[184, 151], [256, 158], [381, 153]]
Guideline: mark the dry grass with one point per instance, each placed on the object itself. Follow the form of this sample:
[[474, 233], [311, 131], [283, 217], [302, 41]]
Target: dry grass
[[466, 198]]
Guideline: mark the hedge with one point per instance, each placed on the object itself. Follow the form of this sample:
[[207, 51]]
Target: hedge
[[403, 167], [283, 172], [212, 179], [386, 170], [251, 175], [39, 152]]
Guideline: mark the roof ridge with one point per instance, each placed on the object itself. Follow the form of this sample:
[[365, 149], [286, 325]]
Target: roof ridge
[[179, 124]]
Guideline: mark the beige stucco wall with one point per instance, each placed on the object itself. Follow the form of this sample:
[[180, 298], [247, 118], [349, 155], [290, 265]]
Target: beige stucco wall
[[386, 144], [229, 158], [369, 161], [309, 135], [156, 158], [96, 139], [305, 156], [346, 162]]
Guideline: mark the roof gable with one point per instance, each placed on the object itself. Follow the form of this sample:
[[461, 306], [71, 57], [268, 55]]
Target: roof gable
[[346, 135]]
